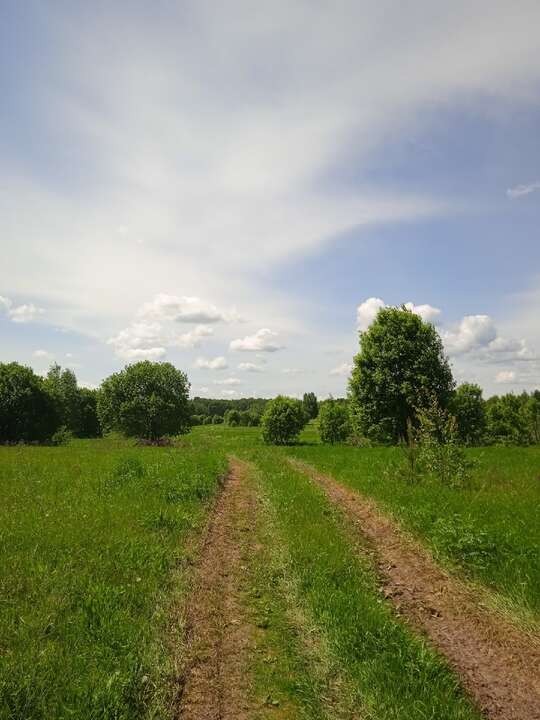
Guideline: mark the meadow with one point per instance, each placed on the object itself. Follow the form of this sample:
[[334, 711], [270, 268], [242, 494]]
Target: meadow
[[98, 540]]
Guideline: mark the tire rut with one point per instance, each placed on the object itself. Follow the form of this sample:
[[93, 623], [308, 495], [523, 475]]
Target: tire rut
[[215, 682], [498, 663]]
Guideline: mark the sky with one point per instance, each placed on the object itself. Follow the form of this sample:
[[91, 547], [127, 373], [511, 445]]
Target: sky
[[237, 187]]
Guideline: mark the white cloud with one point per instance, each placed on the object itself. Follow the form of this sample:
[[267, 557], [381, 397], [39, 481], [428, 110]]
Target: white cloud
[[43, 354], [217, 363], [184, 309], [292, 371], [428, 313], [520, 190], [367, 311], [229, 393], [28, 312], [228, 381], [262, 341], [151, 353], [250, 367], [192, 338], [505, 376], [472, 333], [344, 369]]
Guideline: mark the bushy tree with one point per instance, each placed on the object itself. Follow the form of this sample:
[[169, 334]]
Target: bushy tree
[[62, 385], [334, 425], [146, 400], [89, 426], [401, 362], [232, 418], [283, 420], [311, 406], [468, 407], [27, 410], [506, 419], [217, 420]]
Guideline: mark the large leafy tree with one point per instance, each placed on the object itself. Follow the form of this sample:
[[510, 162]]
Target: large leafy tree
[[27, 410], [468, 407], [146, 400], [333, 421], [401, 366], [283, 420], [311, 406]]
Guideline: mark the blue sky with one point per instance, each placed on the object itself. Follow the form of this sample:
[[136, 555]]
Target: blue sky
[[237, 189]]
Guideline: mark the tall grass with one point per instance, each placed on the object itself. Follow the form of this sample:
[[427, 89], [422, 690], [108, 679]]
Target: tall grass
[[89, 537]]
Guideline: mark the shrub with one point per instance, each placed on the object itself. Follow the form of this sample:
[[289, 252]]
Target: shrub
[[63, 436], [283, 420], [232, 418], [217, 420], [27, 410], [333, 422], [468, 407], [207, 420], [147, 400]]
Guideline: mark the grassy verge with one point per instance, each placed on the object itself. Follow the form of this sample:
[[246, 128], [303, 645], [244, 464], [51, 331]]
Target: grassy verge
[[491, 531], [90, 537], [386, 670]]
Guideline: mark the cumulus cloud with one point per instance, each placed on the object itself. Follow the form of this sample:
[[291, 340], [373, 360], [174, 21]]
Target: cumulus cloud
[[520, 190], [505, 376], [472, 333], [216, 363], [43, 354], [184, 309], [28, 312], [229, 393], [250, 367], [367, 311], [262, 341], [228, 381], [344, 369]]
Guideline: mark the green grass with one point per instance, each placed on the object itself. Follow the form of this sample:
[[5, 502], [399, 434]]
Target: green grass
[[490, 531], [382, 668], [91, 537]]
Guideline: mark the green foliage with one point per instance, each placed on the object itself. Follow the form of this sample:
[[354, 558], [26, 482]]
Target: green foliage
[[334, 425], [311, 406], [401, 362], [283, 420], [63, 436], [27, 410], [217, 420], [513, 419], [232, 418], [468, 407], [89, 422], [146, 400]]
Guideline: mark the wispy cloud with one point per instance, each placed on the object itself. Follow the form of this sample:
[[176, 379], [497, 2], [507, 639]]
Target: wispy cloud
[[520, 190]]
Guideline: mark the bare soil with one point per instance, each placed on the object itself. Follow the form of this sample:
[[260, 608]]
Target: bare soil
[[215, 681], [499, 664]]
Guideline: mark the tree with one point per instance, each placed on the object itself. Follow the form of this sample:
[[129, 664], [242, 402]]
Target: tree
[[62, 385], [468, 407], [232, 418], [401, 363], [506, 420], [311, 406], [146, 400], [283, 420], [27, 410], [89, 426], [334, 423]]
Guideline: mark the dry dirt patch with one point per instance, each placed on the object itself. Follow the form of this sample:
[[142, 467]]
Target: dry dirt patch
[[498, 663], [215, 682]]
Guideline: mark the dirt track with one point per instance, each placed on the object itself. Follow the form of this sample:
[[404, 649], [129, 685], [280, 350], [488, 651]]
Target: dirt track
[[499, 665], [215, 685]]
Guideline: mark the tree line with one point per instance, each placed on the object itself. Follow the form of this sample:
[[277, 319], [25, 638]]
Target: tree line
[[400, 375]]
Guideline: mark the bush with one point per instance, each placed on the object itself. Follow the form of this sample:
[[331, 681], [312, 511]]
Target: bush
[[217, 420], [283, 420], [63, 436], [207, 420], [232, 418], [147, 400], [27, 410], [468, 407], [333, 422]]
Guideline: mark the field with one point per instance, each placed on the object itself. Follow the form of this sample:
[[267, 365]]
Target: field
[[135, 584]]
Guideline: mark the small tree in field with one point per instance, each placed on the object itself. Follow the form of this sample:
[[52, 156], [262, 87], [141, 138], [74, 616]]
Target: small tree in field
[[334, 423], [401, 362], [283, 420], [146, 400], [311, 406]]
